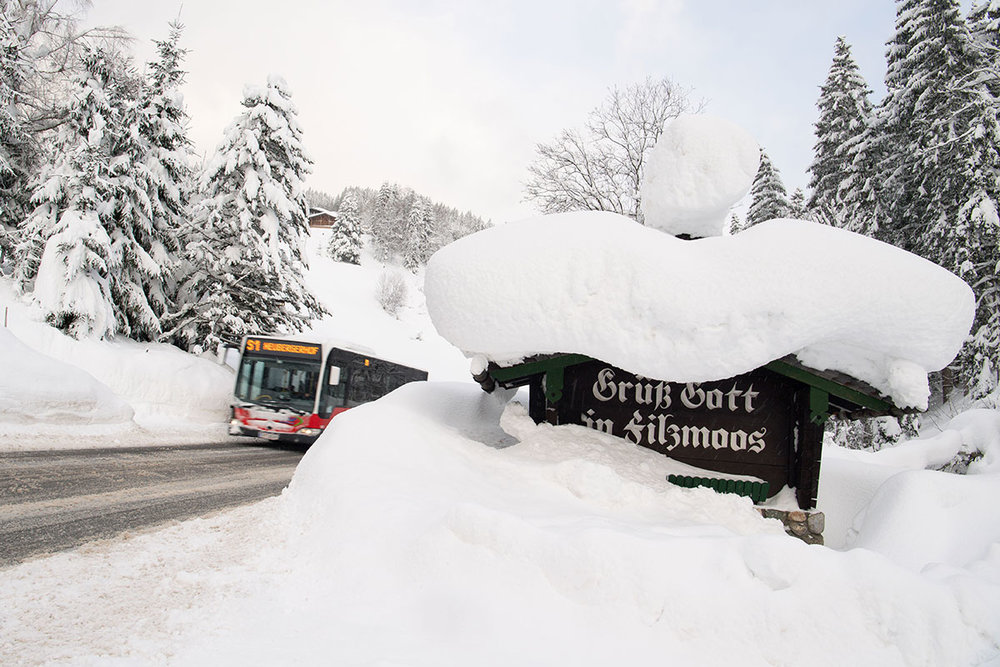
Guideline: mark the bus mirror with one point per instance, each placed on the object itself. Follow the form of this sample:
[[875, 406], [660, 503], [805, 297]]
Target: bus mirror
[[333, 377]]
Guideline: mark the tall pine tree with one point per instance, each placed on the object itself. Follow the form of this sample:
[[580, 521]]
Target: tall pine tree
[[248, 260], [984, 352], [165, 166], [844, 113], [419, 231], [943, 186], [388, 220], [18, 153]]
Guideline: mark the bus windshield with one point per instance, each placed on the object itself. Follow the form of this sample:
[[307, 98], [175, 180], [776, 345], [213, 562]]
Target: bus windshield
[[278, 382]]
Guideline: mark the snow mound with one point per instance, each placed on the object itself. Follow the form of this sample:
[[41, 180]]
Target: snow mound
[[540, 545], [598, 284], [438, 526], [165, 388], [921, 518], [698, 169], [37, 389]]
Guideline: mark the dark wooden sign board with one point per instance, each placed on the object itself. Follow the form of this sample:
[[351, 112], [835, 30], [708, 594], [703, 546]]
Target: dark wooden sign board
[[767, 423]]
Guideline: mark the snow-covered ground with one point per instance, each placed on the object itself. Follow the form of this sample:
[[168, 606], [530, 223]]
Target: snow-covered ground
[[440, 526]]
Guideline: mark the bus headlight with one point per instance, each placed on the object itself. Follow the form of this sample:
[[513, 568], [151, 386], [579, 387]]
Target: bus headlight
[[234, 427], [310, 432]]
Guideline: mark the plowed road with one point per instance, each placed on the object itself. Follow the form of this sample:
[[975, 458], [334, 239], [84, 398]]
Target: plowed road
[[55, 500]]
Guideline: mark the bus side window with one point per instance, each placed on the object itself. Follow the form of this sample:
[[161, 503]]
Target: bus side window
[[334, 392], [360, 390]]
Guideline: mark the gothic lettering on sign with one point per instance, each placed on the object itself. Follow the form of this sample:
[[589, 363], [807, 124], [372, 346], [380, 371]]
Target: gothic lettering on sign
[[743, 424]]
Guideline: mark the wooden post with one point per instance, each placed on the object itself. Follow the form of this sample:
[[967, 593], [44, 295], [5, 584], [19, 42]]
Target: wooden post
[[811, 418]]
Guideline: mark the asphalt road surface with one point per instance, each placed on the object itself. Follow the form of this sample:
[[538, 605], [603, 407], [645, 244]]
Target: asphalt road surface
[[55, 500]]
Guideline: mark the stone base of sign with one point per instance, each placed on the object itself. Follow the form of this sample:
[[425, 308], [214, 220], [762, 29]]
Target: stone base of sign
[[807, 526]]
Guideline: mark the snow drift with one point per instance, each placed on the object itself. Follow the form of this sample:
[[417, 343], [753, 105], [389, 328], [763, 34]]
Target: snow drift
[[37, 389], [598, 284], [438, 527]]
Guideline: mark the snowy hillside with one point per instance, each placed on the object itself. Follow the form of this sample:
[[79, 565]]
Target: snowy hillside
[[349, 293]]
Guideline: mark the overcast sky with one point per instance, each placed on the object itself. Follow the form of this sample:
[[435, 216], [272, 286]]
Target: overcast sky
[[450, 97]]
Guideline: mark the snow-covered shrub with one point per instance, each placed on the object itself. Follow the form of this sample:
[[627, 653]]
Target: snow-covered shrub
[[874, 433], [390, 291]]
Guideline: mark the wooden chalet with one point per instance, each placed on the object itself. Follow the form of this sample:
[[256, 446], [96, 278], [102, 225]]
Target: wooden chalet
[[321, 218]]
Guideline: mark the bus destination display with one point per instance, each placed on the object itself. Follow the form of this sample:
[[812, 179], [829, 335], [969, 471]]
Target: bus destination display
[[285, 348]]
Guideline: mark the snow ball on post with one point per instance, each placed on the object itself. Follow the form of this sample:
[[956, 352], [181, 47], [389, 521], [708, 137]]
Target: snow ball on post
[[698, 169]]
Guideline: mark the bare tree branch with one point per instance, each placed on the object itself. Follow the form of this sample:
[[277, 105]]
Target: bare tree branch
[[601, 168]]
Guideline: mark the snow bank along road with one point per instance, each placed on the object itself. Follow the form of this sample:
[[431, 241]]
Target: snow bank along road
[[52, 500]]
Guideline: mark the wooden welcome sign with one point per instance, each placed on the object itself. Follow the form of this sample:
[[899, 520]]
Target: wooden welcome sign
[[742, 426], [766, 424]]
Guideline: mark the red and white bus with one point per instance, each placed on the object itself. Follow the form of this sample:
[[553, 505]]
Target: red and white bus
[[289, 390]]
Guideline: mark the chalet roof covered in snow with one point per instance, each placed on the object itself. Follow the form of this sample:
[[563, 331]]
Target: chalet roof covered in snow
[[599, 284]]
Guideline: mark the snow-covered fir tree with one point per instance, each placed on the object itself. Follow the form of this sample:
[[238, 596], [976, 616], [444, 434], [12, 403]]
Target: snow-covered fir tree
[[388, 220], [164, 165], [73, 247], [41, 49], [880, 178], [797, 205], [984, 353], [150, 173], [863, 206], [943, 189], [419, 231], [844, 115], [345, 235], [248, 261], [735, 223], [19, 155], [768, 197], [984, 24]]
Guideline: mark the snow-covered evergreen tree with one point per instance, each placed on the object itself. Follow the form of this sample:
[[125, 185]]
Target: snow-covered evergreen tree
[[388, 220], [735, 223], [164, 164], [984, 24], [984, 352], [768, 197], [861, 192], [945, 185], [844, 115], [345, 236], [151, 176], [419, 232], [797, 205], [18, 153], [41, 56], [72, 247], [248, 260], [115, 169]]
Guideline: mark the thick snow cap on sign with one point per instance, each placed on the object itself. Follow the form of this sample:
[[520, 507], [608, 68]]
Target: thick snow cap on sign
[[698, 169], [599, 284]]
